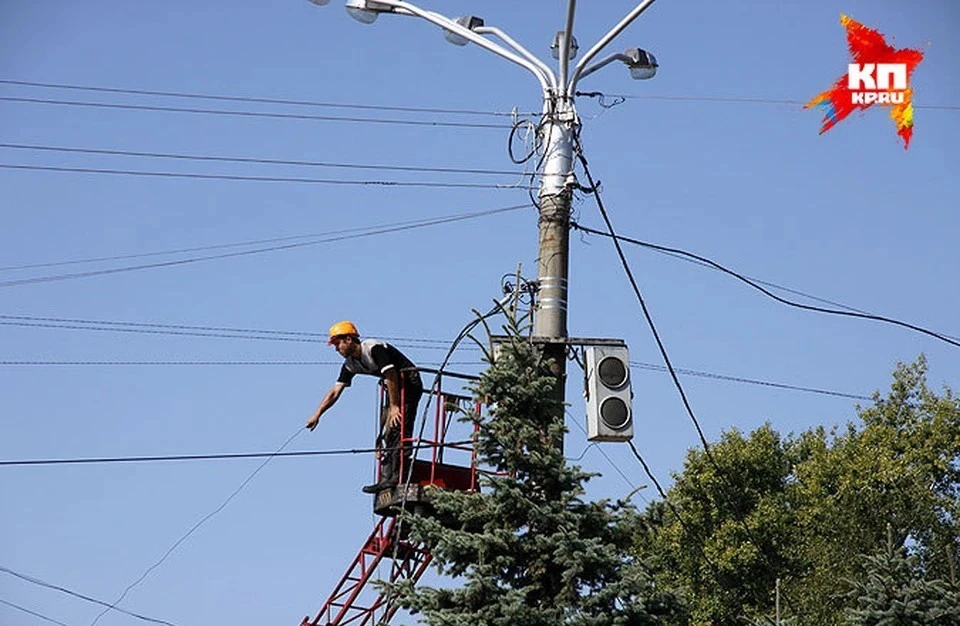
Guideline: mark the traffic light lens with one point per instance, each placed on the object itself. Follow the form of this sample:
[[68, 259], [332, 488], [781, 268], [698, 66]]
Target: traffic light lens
[[614, 413], [612, 372]]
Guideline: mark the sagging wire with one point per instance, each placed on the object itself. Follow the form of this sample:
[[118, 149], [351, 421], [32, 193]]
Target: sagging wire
[[206, 457], [663, 352], [70, 592], [602, 98], [527, 127], [754, 284], [193, 529]]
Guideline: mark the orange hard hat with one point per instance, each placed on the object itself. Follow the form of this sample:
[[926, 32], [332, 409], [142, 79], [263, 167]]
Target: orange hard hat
[[340, 329]]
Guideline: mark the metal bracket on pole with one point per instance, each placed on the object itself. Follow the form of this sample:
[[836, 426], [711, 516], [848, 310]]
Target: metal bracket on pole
[[570, 341]]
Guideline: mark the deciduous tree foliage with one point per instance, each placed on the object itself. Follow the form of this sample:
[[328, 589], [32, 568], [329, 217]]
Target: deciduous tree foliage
[[528, 550], [806, 508]]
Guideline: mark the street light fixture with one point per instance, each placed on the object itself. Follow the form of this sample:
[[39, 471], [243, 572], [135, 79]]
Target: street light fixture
[[558, 43], [642, 64], [364, 11], [471, 22], [557, 136]]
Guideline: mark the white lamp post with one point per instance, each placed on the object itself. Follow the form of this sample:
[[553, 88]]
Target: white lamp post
[[557, 136]]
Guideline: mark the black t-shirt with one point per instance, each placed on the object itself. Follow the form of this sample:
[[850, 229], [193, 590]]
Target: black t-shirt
[[376, 359]]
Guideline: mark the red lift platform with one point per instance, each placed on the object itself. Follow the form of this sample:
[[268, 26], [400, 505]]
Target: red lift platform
[[355, 600]]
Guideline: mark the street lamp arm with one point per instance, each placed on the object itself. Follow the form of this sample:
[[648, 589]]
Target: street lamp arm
[[545, 73], [619, 56], [616, 30], [405, 8], [565, 44]]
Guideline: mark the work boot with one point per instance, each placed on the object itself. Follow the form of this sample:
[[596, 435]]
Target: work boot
[[377, 487], [388, 479]]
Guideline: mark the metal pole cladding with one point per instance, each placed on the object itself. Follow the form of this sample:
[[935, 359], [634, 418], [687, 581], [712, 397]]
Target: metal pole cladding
[[557, 138]]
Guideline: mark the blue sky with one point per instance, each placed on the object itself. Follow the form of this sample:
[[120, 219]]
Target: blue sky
[[849, 216]]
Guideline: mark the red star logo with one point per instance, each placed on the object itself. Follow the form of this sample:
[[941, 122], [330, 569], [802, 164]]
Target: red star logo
[[870, 49]]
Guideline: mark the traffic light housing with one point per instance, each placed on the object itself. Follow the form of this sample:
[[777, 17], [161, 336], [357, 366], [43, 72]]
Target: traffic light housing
[[609, 397]]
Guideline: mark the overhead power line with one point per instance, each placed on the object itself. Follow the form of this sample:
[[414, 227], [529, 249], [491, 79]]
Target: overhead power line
[[36, 581], [240, 244], [413, 109], [205, 363], [258, 100], [626, 479], [289, 246], [279, 363], [186, 333], [750, 381], [262, 161], [205, 457], [34, 613], [766, 292], [748, 100], [262, 179], [255, 114], [707, 449], [676, 513], [228, 332], [193, 529]]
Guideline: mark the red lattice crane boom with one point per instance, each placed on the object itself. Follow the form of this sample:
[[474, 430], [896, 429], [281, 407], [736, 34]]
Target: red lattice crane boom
[[355, 600]]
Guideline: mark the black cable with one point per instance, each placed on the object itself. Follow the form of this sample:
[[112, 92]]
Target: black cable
[[300, 336], [41, 583], [510, 138], [603, 452], [34, 613], [663, 351], [147, 331], [260, 179], [202, 331], [643, 303], [182, 333], [199, 457], [590, 446], [697, 540], [464, 332], [256, 114], [224, 98], [276, 335], [259, 161], [193, 529], [602, 98], [766, 292], [289, 246], [314, 336], [732, 100], [764, 282], [255, 242], [263, 363], [65, 363]]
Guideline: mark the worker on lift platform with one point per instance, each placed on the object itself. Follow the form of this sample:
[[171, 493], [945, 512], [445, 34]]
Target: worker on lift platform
[[404, 389]]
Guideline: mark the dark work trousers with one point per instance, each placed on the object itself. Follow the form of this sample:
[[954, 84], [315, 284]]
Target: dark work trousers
[[389, 440]]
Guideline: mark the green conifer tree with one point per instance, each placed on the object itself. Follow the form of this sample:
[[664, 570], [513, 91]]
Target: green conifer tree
[[893, 591], [527, 550]]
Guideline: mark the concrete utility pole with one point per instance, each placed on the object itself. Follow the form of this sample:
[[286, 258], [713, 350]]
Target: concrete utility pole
[[556, 138]]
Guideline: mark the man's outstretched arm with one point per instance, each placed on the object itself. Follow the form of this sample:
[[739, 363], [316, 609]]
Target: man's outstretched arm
[[328, 401]]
